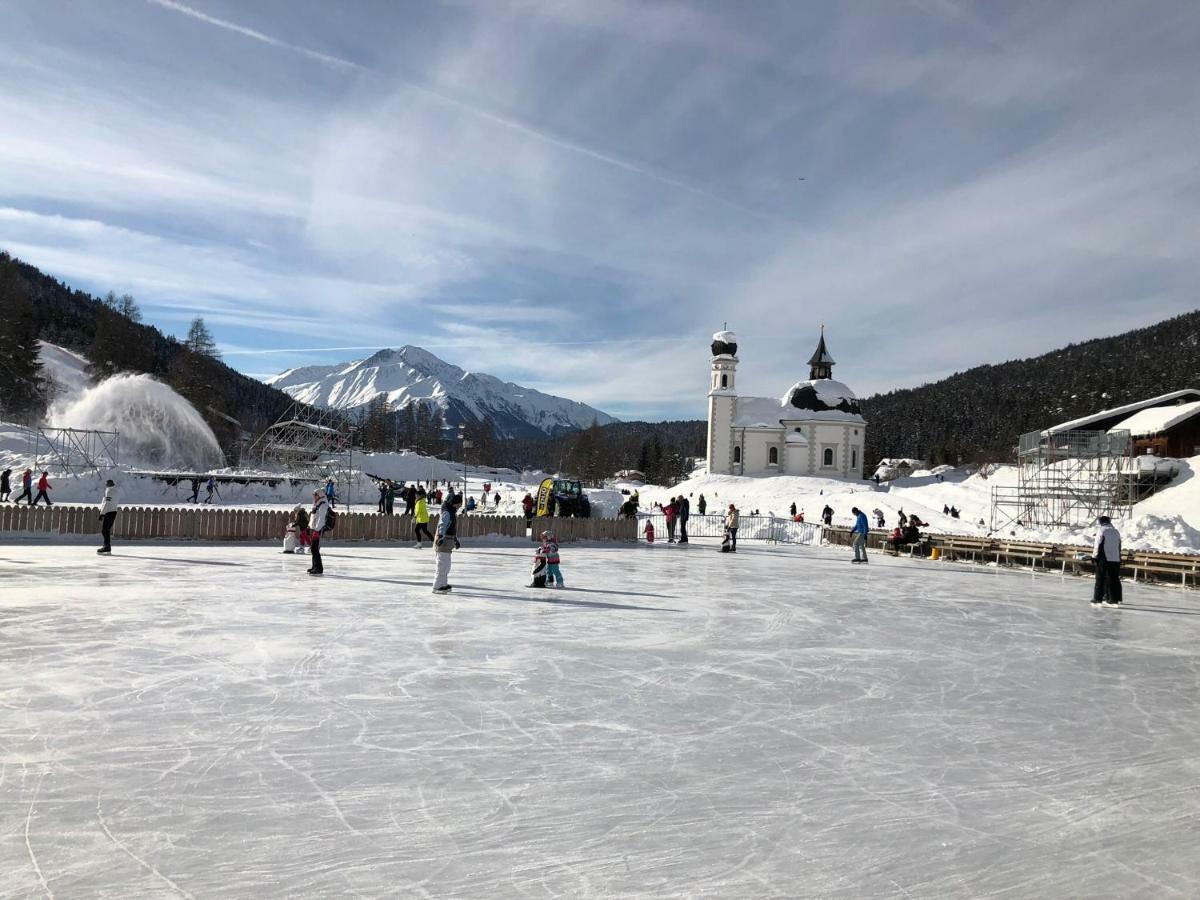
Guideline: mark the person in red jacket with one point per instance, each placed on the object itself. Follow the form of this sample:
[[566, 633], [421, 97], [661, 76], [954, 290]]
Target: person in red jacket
[[671, 513], [527, 505], [43, 487]]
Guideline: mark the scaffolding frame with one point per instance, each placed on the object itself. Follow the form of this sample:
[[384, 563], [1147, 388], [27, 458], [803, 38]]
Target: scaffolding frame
[[1069, 478], [298, 439], [76, 451]]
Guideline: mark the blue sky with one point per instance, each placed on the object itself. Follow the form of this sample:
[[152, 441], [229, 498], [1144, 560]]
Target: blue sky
[[574, 195]]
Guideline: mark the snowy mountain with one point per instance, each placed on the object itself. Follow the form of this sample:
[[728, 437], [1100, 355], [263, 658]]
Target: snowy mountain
[[412, 375]]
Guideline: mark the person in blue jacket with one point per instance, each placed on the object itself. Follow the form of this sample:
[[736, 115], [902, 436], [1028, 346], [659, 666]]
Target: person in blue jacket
[[859, 531]]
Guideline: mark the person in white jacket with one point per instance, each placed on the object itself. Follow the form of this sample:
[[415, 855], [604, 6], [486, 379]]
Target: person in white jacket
[[108, 515], [1107, 554], [316, 523]]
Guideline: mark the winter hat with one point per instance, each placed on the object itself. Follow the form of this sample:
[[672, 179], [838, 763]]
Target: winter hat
[[110, 483]]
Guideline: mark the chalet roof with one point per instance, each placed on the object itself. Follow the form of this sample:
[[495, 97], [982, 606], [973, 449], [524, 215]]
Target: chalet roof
[[1123, 412], [1157, 419]]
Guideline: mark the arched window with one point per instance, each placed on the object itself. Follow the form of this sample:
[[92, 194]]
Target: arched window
[[737, 454], [827, 458], [773, 456], [724, 381]]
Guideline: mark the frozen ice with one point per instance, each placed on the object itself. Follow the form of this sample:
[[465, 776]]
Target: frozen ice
[[208, 721]]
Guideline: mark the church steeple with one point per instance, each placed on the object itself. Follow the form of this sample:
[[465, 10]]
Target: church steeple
[[821, 364]]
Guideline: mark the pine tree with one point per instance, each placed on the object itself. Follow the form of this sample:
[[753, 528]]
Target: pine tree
[[23, 387], [200, 340]]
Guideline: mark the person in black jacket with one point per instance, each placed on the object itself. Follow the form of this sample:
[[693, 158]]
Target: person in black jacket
[[827, 514], [5, 485], [685, 510]]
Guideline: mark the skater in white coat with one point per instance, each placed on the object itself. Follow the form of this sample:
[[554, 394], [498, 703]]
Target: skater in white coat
[[444, 543]]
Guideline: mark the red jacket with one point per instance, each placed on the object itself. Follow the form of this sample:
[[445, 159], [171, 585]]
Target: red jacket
[[670, 511], [44, 484]]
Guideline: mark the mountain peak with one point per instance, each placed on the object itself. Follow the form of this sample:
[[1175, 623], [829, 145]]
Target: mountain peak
[[411, 374]]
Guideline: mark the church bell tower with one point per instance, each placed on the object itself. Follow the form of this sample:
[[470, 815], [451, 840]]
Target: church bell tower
[[722, 402]]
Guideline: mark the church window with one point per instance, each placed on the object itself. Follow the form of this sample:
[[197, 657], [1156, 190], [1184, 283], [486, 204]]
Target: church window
[[827, 457], [724, 381], [854, 459], [737, 454], [773, 456]]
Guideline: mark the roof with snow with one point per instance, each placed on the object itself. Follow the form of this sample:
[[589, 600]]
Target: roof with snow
[[819, 395], [1108, 418], [1157, 419], [822, 400]]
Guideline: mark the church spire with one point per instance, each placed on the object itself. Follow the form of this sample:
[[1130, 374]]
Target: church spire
[[821, 364]]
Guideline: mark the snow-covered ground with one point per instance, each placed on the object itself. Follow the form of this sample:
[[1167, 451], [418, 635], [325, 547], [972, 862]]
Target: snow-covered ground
[[211, 722], [1168, 521]]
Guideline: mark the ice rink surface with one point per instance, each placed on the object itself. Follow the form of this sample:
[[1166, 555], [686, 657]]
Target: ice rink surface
[[208, 721]]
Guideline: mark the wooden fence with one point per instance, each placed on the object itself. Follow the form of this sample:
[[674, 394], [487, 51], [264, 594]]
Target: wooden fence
[[206, 523], [567, 530]]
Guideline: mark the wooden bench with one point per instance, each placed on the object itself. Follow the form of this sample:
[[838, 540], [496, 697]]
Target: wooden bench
[[1171, 564], [952, 547]]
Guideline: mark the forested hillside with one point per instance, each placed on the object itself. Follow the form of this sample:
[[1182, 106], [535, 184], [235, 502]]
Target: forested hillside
[[979, 414], [659, 449], [108, 331]]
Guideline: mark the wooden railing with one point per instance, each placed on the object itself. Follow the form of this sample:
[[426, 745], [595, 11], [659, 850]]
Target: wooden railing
[[228, 524], [567, 530], [206, 523]]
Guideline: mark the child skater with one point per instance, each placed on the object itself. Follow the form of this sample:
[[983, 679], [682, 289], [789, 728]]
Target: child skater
[[539, 568], [649, 531], [549, 549]]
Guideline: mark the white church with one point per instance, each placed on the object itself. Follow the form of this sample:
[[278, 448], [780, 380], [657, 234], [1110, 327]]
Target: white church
[[814, 429]]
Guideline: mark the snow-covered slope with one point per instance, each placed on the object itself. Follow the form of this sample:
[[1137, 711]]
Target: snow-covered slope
[[410, 375]]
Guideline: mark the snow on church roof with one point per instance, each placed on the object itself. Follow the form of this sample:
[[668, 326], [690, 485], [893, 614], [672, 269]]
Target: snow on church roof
[[1157, 419], [767, 412]]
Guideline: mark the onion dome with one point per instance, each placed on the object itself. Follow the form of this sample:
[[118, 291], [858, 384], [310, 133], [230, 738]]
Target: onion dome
[[724, 343]]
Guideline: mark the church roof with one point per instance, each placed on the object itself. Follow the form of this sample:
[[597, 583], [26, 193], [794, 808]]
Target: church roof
[[821, 356]]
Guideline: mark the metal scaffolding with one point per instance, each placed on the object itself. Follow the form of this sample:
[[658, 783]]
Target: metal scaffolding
[[75, 451], [298, 440], [1069, 478]]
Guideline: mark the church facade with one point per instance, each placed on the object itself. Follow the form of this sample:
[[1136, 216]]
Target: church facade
[[815, 428]]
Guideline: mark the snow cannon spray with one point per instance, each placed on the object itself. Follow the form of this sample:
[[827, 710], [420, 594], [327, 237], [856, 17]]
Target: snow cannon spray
[[157, 426]]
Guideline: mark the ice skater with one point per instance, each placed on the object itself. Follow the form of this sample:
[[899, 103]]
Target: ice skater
[[537, 575], [549, 549], [318, 519], [108, 515], [1107, 556], [731, 529], [445, 544], [685, 513], [43, 488], [827, 514], [421, 521], [860, 530], [649, 532], [26, 488]]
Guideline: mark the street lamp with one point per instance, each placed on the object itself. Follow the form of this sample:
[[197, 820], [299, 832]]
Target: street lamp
[[466, 445], [350, 474]]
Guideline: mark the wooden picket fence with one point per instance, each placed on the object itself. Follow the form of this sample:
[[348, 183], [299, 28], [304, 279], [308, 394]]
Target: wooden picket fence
[[568, 530], [207, 523]]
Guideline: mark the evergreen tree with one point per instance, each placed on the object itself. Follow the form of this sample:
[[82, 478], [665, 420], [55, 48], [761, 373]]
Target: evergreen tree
[[200, 340], [23, 386]]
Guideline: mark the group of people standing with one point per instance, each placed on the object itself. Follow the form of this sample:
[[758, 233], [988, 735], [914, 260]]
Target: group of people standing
[[43, 488]]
